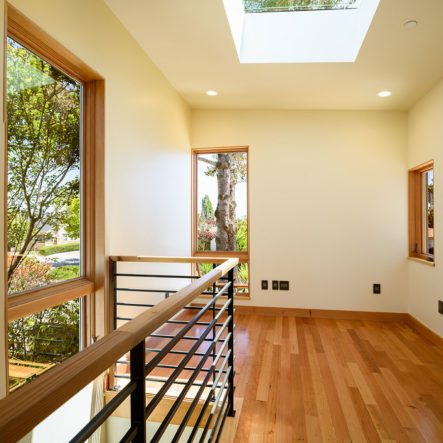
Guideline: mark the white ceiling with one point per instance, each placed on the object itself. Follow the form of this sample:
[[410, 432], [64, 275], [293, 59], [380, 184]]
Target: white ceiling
[[191, 43]]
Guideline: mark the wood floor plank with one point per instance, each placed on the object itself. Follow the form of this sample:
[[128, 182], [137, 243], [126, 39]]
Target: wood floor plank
[[316, 380]]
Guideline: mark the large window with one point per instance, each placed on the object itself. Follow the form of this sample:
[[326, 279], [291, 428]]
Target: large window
[[44, 169], [421, 212], [55, 243], [220, 208]]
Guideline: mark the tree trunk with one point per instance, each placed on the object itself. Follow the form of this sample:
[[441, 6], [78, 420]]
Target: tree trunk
[[225, 212]]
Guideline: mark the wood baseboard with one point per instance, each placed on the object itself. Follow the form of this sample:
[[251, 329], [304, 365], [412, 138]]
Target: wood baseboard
[[319, 313], [423, 330], [322, 313]]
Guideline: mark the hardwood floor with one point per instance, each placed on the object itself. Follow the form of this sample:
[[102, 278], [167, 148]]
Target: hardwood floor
[[315, 380]]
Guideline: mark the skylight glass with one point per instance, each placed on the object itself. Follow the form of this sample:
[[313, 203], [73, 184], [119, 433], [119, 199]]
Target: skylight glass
[[297, 5]]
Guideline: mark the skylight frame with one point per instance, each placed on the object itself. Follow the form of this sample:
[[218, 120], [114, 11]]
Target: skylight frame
[[320, 6]]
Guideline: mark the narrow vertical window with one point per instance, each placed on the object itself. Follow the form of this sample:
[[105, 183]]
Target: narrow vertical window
[[428, 198], [421, 212], [220, 208]]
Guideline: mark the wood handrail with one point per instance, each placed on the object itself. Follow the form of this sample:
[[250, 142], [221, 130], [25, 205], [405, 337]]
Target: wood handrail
[[146, 259], [21, 411]]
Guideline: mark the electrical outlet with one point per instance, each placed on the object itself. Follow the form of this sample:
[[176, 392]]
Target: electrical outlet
[[275, 285], [284, 285], [377, 288], [440, 306], [264, 284]]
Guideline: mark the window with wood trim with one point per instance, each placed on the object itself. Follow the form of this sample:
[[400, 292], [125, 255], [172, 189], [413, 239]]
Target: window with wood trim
[[421, 212], [220, 216], [55, 195]]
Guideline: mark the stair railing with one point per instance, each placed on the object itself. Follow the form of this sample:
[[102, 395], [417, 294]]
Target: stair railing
[[213, 348]]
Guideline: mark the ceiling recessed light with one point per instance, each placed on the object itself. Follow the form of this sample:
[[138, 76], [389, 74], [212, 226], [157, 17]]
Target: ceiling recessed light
[[384, 94], [212, 93], [410, 24]]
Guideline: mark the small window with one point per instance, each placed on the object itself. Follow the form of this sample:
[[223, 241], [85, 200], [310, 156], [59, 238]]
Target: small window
[[220, 208], [421, 212]]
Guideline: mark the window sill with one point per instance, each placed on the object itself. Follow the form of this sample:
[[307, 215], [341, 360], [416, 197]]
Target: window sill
[[422, 260]]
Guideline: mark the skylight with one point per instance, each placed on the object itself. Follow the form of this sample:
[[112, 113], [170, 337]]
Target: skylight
[[327, 31], [297, 5]]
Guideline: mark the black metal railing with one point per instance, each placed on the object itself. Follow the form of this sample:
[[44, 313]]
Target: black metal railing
[[205, 366]]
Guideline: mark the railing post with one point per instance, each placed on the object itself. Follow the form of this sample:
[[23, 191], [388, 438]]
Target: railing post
[[231, 410], [138, 396], [112, 297]]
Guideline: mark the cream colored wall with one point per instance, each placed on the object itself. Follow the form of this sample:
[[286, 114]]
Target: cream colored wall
[[425, 136], [147, 129], [328, 203]]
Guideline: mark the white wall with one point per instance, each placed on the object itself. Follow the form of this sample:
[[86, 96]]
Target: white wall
[[328, 203], [425, 136]]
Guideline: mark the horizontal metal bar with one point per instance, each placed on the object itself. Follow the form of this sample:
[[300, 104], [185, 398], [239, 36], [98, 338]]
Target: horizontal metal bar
[[197, 354], [173, 322], [186, 337], [151, 305], [184, 322], [156, 275], [104, 413], [163, 380], [160, 291], [186, 368], [143, 305]]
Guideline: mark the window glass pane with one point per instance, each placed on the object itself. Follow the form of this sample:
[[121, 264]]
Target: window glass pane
[[429, 212], [40, 341], [222, 206], [44, 165], [297, 5], [241, 276]]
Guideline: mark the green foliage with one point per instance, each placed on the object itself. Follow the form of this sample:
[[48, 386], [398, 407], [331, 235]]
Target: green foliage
[[205, 268], [43, 109], [207, 208], [242, 235], [243, 275], [72, 219], [48, 336], [30, 274], [57, 249], [63, 273], [295, 5]]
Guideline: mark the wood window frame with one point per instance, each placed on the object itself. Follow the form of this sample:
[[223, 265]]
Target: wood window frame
[[416, 211], [242, 256], [91, 286]]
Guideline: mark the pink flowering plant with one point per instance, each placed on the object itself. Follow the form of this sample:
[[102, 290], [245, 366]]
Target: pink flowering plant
[[30, 274], [206, 232]]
